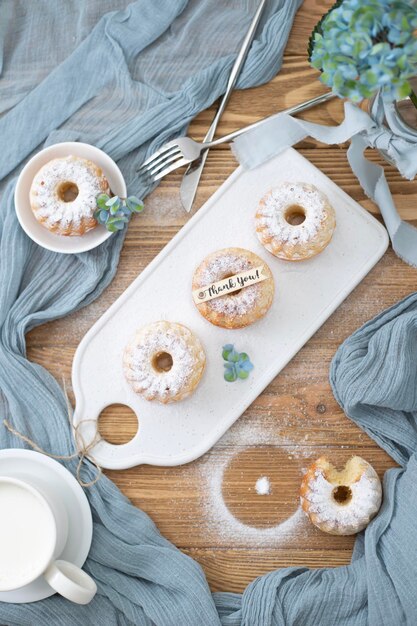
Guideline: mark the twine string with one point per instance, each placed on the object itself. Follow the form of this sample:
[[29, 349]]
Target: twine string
[[82, 449]]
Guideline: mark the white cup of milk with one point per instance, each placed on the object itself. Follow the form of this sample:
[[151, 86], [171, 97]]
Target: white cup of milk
[[28, 542]]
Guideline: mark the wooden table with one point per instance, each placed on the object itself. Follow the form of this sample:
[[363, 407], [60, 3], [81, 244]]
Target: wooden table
[[209, 508]]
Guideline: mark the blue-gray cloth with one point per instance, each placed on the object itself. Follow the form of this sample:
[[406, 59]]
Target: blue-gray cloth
[[138, 79], [382, 129]]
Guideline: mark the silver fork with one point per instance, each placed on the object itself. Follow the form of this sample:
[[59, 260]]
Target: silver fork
[[184, 150]]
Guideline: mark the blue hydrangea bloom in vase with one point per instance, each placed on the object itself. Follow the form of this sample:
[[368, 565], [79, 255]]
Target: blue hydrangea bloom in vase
[[367, 49]]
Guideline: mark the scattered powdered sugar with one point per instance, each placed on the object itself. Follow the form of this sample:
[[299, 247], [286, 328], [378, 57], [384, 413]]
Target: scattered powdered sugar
[[163, 206], [218, 516], [50, 207], [228, 528], [271, 212], [263, 486], [255, 432]]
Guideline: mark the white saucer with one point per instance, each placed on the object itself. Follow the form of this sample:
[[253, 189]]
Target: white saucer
[[26, 217], [60, 485]]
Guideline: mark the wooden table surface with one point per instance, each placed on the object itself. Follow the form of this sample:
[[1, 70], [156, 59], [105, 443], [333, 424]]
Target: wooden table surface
[[210, 508]]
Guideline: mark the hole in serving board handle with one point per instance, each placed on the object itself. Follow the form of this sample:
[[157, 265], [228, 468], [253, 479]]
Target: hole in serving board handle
[[125, 448], [118, 424]]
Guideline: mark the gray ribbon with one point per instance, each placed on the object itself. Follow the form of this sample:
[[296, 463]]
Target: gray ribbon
[[396, 141]]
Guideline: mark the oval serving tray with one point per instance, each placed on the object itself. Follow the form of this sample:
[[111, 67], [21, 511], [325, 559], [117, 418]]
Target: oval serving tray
[[307, 293]]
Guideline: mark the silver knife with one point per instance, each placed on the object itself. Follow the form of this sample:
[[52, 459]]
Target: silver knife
[[192, 175]]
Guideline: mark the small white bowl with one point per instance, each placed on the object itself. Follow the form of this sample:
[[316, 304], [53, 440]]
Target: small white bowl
[[26, 217]]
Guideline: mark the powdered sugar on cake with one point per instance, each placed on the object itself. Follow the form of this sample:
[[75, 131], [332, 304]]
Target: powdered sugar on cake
[[218, 268], [274, 206], [323, 504], [44, 191], [139, 356]]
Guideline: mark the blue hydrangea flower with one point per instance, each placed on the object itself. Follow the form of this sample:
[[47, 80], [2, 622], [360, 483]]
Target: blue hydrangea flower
[[365, 46], [114, 212], [238, 364]]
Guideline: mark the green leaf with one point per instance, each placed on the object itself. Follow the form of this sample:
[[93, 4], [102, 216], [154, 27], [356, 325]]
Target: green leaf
[[115, 220], [230, 375], [402, 62], [101, 200], [326, 78], [370, 77], [377, 48], [134, 204], [404, 90], [338, 80], [112, 201], [122, 216], [227, 349], [233, 356], [101, 216], [115, 206]]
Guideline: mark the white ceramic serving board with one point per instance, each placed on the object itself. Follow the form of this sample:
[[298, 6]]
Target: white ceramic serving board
[[307, 293]]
